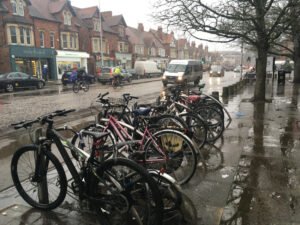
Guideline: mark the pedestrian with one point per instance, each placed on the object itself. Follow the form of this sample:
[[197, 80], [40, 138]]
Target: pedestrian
[[45, 72]]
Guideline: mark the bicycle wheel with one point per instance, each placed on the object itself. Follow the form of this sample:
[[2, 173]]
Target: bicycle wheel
[[197, 127], [48, 189], [172, 151], [76, 87], [126, 193], [213, 120], [85, 86]]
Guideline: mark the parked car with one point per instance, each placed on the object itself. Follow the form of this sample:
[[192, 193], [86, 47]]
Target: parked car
[[107, 73], [68, 79], [216, 71], [182, 72], [145, 69], [13, 80]]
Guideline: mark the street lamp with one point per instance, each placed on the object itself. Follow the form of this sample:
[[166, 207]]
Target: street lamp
[[242, 58]]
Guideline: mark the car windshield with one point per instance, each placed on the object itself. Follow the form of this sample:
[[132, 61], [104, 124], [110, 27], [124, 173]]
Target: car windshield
[[174, 68], [3, 75], [216, 68]]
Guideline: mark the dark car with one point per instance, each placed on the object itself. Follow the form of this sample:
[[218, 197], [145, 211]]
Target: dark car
[[216, 71], [68, 79], [13, 80]]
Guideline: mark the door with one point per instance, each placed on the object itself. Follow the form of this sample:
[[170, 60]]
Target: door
[[26, 80]]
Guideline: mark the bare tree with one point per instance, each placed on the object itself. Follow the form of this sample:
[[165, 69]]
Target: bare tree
[[258, 23]]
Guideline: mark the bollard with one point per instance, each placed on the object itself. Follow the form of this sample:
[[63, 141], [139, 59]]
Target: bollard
[[215, 94], [225, 92]]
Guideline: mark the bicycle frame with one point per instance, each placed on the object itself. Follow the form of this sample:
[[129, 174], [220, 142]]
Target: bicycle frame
[[118, 127]]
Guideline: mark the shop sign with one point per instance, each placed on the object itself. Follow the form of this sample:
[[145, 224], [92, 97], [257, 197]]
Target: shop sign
[[123, 57], [72, 54], [22, 51]]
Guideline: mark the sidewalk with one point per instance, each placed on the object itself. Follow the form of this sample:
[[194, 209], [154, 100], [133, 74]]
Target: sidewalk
[[253, 175]]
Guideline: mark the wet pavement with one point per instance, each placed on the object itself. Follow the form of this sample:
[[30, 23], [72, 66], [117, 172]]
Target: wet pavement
[[253, 175]]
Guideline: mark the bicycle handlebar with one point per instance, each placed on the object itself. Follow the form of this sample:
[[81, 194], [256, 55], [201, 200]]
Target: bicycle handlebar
[[43, 119]]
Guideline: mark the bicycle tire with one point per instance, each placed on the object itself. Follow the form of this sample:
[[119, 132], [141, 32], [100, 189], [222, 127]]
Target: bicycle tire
[[76, 87], [132, 181], [177, 159], [85, 86], [197, 127], [21, 182], [214, 122]]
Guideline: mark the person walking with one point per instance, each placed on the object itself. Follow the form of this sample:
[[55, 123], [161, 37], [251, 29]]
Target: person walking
[[45, 72]]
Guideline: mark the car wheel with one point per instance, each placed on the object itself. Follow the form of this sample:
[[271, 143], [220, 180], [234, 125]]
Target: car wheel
[[129, 80], [40, 85], [165, 84], [9, 87]]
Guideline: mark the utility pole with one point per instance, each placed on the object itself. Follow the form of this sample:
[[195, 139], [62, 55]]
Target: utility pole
[[242, 59], [101, 37]]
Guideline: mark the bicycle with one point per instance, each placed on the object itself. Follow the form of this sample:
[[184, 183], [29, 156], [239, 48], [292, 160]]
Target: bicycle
[[168, 149], [116, 188], [80, 85]]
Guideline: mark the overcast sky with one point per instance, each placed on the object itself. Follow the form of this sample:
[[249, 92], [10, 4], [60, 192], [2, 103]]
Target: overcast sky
[[134, 12]]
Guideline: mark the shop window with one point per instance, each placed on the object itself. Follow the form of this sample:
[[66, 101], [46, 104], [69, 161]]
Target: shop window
[[42, 39], [13, 35], [52, 40]]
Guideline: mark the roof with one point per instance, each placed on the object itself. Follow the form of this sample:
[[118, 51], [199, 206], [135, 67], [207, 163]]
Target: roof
[[134, 36], [39, 9], [115, 20], [107, 28], [86, 13], [138, 37]]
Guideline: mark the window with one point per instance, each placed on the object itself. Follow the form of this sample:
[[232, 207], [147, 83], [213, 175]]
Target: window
[[123, 47], [22, 34], [69, 40], [97, 26], [17, 7], [65, 40], [121, 31], [28, 36], [13, 35], [52, 40], [42, 39], [67, 18], [14, 6], [19, 34], [96, 45]]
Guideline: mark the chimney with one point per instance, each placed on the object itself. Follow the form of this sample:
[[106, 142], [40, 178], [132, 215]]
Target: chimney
[[141, 27], [106, 15], [159, 32]]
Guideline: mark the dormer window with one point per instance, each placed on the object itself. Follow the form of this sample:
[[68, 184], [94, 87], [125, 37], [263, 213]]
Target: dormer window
[[121, 31], [17, 7], [67, 18], [97, 26]]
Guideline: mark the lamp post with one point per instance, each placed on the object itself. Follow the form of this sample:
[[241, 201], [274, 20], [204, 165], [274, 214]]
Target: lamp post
[[101, 38]]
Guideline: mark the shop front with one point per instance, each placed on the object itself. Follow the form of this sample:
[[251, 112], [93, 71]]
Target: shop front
[[39, 62], [69, 60], [124, 59]]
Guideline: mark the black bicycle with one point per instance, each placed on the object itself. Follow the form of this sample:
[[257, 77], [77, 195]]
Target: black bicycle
[[82, 84], [120, 189]]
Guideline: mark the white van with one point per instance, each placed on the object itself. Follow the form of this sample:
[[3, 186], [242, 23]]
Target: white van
[[146, 69], [182, 72]]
